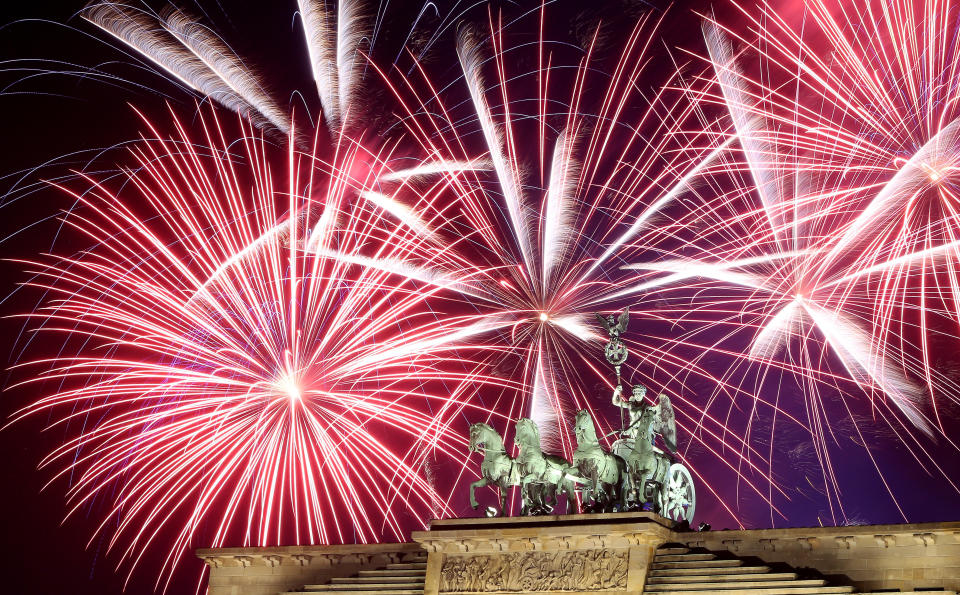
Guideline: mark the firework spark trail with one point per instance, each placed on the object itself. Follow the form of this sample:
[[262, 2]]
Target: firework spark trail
[[334, 37], [471, 61], [222, 61], [192, 54], [350, 33], [435, 166], [746, 125], [320, 30], [268, 398]]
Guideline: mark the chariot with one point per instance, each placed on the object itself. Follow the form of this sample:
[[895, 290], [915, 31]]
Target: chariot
[[670, 488]]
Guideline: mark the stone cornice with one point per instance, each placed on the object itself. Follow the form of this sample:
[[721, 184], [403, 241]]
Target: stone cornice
[[829, 532], [524, 534], [301, 555]]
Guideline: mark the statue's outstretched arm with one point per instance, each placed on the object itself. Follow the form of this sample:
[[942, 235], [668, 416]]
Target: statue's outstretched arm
[[617, 398]]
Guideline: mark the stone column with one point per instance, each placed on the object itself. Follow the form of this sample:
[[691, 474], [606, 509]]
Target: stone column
[[642, 551], [431, 585]]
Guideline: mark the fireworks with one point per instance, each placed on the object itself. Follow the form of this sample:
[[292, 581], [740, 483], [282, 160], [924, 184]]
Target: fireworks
[[193, 55], [844, 260], [847, 118], [776, 216], [549, 219], [230, 377]]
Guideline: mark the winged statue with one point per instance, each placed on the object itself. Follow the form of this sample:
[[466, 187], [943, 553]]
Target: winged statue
[[615, 326]]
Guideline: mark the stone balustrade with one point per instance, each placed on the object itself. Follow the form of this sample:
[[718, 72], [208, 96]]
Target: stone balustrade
[[868, 557]]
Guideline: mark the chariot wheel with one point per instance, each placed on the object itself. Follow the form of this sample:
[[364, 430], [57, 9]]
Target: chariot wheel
[[678, 498]]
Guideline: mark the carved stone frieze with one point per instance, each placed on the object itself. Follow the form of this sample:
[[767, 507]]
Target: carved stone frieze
[[577, 570]]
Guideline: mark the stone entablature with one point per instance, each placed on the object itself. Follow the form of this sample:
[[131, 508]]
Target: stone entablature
[[607, 553], [271, 570], [868, 557]]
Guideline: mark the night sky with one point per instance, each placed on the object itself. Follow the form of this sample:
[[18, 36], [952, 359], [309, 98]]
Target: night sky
[[60, 119]]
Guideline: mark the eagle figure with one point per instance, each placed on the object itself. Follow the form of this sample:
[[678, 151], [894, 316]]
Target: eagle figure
[[615, 326]]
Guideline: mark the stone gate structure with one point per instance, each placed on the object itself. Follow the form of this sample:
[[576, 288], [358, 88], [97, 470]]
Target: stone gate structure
[[613, 554]]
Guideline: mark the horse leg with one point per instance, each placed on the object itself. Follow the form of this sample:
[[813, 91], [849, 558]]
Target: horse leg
[[549, 498], [615, 490], [605, 497], [621, 498], [661, 476], [662, 500], [626, 488], [650, 475], [525, 496], [590, 499], [637, 488], [536, 498], [569, 489], [503, 498], [482, 482], [618, 495], [608, 497]]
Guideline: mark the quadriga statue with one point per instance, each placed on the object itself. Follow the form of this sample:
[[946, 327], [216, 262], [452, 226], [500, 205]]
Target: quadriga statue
[[632, 475], [542, 477]]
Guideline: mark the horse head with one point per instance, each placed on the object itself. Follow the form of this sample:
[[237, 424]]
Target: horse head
[[584, 428], [526, 433], [483, 436]]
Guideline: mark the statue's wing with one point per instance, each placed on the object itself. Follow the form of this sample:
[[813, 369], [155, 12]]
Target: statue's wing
[[623, 319], [668, 423], [603, 321]]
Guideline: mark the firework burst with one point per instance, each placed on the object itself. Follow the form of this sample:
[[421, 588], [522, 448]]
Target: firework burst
[[846, 116], [219, 374], [536, 233], [535, 213], [808, 263]]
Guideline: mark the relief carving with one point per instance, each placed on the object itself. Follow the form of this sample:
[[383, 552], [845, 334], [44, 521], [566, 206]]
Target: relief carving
[[584, 570]]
